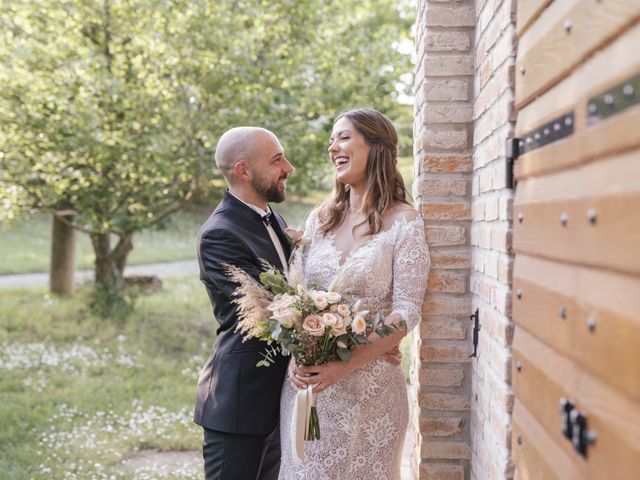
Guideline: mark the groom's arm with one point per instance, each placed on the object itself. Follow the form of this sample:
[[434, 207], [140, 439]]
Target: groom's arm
[[218, 248]]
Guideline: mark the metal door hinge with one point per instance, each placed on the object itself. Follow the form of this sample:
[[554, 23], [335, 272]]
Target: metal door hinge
[[574, 427], [512, 152], [475, 318]]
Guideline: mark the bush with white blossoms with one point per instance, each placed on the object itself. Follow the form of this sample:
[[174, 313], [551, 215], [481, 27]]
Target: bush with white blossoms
[[91, 445]]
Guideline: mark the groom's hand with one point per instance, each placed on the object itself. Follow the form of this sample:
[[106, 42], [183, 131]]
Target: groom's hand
[[393, 356]]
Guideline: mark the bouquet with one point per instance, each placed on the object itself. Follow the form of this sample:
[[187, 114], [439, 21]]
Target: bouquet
[[315, 326]]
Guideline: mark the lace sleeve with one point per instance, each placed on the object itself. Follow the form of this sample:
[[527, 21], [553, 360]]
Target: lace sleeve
[[310, 228], [410, 270]]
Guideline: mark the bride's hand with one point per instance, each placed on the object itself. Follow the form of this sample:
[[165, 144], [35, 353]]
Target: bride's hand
[[323, 376], [295, 376], [393, 356]]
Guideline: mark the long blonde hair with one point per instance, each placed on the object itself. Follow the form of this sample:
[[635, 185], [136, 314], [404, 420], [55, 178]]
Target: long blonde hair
[[384, 185]]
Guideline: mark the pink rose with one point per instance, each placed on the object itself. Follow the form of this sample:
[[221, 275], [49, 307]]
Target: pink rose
[[319, 300], [313, 325]]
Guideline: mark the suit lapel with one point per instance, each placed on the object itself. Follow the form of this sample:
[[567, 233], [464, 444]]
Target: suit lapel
[[279, 227], [268, 251]]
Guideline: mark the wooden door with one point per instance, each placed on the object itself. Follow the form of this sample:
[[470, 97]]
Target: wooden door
[[576, 281]]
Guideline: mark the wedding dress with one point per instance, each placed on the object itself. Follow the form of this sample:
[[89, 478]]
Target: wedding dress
[[363, 417]]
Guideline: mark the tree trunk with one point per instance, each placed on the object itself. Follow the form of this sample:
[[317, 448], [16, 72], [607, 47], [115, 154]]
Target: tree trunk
[[104, 261], [62, 262], [121, 252], [110, 261]]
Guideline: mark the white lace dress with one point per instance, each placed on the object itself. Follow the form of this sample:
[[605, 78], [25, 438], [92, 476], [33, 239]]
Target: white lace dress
[[363, 417]]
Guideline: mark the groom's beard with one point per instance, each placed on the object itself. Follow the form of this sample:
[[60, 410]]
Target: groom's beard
[[269, 190]]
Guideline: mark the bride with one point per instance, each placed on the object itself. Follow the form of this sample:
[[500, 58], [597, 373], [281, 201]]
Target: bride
[[368, 243]]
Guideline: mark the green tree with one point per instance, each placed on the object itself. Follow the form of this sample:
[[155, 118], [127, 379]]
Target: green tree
[[111, 108]]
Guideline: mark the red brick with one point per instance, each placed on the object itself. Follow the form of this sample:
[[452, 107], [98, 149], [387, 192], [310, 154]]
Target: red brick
[[446, 211], [441, 426], [447, 163], [449, 65], [447, 112], [446, 235], [448, 329], [441, 471], [449, 89], [444, 304], [447, 41], [446, 450], [440, 377], [451, 258], [449, 281], [444, 401], [445, 187], [446, 353], [450, 16], [444, 138]]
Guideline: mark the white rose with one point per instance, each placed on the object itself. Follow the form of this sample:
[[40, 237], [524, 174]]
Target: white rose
[[329, 319], [343, 310], [333, 297], [313, 325], [335, 323], [286, 316], [282, 301], [319, 300], [359, 324]]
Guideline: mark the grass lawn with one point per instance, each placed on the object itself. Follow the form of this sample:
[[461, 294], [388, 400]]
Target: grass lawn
[[78, 395]]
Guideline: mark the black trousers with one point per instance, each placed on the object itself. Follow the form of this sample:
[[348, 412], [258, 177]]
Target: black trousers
[[231, 456]]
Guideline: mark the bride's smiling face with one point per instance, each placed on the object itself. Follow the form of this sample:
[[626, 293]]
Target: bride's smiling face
[[348, 151]]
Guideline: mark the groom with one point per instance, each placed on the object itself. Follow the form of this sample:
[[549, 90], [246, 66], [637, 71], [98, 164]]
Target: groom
[[238, 404]]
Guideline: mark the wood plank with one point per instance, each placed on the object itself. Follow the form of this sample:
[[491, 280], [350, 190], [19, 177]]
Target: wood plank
[[528, 12], [542, 288], [544, 377], [548, 51], [606, 69], [609, 187], [536, 456]]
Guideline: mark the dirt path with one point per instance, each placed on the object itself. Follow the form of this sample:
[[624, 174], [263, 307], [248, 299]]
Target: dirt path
[[169, 269]]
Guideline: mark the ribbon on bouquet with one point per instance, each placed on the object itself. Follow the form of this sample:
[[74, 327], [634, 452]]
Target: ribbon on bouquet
[[305, 399]]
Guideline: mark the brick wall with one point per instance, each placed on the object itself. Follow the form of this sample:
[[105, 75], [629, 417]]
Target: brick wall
[[463, 115], [443, 136], [493, 113]]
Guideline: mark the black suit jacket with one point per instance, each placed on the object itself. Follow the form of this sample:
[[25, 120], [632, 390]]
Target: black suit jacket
[[233, 394]]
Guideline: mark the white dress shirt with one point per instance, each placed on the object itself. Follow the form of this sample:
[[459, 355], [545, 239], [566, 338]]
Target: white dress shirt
[[272, 233]]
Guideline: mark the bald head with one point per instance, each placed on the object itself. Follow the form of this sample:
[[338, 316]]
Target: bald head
[[238, 145]]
